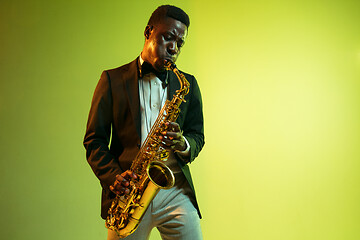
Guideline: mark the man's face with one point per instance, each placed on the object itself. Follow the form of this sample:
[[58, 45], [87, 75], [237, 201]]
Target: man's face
[[163, 42]]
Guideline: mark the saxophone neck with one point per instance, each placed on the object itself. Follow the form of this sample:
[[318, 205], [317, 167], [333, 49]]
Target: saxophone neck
[[169, 65], [184, 84]]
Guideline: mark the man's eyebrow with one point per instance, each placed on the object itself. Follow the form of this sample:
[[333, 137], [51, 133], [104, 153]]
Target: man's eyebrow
[[173, 35]]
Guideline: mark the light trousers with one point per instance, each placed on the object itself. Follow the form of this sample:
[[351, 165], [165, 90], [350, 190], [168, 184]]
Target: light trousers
[[172, 213]]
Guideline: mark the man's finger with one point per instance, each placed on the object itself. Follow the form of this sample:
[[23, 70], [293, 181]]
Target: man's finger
[[173, 126]]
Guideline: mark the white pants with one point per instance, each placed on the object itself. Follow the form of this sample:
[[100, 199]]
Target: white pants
[[172, 213]]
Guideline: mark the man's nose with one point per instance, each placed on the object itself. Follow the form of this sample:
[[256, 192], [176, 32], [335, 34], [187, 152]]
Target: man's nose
[[172, 48]]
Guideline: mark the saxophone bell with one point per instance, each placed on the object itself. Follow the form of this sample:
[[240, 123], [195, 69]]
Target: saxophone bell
[[160, 175]]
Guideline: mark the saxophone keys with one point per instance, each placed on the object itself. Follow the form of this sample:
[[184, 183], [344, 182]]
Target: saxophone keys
[[164, 156]]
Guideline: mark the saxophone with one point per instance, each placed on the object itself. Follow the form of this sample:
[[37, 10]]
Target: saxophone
[[126, 211]]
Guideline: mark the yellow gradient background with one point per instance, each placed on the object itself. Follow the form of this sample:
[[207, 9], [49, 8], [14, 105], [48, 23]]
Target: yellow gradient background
[[280, 85]]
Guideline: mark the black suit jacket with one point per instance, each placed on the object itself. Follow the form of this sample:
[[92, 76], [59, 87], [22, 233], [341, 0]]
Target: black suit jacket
[[115, 114]]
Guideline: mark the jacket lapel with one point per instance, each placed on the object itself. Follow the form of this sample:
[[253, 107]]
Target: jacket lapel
[[173, 85], [132, 89]]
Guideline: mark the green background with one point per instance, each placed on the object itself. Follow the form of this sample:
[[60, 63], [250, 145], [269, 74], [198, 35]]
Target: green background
[[280, 85]]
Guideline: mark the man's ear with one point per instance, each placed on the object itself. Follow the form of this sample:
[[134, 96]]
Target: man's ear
[[148, 31]]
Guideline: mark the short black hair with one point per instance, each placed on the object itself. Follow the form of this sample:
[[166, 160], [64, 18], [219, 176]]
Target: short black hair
[[165, 11]]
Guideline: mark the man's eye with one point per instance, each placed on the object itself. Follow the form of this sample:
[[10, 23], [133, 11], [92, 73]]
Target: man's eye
[[167, 37], [180, 44]]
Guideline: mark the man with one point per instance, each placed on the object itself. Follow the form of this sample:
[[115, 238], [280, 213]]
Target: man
[[125, 105]]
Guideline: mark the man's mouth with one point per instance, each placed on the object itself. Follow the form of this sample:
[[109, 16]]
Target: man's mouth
[[171, 59]]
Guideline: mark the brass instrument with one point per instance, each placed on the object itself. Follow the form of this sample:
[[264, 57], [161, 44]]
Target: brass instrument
[[127, 211]]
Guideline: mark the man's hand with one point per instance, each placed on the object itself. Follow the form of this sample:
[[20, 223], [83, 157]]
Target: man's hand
[[172, 139], [121, 185]]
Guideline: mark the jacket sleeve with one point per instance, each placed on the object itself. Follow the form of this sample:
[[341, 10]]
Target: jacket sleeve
[[193, 127], [98, 132]]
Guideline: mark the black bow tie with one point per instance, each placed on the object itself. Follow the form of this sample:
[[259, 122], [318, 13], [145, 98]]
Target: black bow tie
[[147, 68]]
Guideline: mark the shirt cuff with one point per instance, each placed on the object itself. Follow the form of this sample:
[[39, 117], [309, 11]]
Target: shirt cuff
[[186, 152]]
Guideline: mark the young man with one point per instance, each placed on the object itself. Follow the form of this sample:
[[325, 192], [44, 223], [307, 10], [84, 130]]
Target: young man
[[125, 105]]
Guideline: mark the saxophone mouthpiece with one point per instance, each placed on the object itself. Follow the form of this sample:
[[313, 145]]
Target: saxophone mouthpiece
[[169, 65]]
